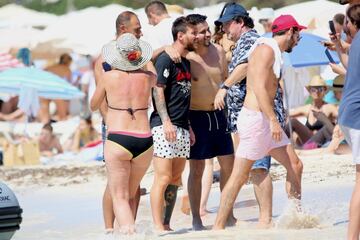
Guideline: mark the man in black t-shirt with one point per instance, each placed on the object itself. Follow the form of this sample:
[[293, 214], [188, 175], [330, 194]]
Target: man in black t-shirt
[[170, 120]]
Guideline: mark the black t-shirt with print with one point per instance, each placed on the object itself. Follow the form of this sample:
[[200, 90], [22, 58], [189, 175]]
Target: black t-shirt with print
[[176, 79]]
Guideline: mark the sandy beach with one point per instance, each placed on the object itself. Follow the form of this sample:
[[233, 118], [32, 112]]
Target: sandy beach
[[64, 202]]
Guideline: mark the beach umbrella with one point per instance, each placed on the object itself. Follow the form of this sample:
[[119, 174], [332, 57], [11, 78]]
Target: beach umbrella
[[46, 84], [308, 52]]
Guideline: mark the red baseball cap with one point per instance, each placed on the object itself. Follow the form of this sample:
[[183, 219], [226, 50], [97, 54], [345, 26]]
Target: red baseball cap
[[284, 22]]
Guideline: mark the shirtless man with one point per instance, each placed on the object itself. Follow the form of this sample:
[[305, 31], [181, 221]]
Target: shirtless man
[[208, 71], [239, 27], [62, 69], [260, 131]]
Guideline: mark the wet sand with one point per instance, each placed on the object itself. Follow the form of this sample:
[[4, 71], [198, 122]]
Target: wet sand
[[65, 203]]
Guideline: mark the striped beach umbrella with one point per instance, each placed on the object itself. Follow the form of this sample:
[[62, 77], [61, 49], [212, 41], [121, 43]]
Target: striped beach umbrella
[[47, 85]]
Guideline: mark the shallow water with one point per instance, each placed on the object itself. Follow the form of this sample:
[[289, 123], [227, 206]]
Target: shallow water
[[74, 212]]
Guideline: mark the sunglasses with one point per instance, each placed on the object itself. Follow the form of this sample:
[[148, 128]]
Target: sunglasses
[[317, 89]]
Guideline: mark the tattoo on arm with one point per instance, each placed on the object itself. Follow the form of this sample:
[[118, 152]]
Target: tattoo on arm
[[160, 103]]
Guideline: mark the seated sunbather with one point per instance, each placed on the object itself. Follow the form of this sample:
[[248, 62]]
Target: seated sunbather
[[84, 135], [49, 144], [320, 116], [17, 116]]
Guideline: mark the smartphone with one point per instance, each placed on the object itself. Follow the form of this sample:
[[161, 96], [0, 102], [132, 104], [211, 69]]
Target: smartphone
[[106, 66], [328, 54], [332, 27]]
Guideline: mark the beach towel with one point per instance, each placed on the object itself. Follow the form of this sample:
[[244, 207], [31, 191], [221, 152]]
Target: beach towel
[[29, 101]]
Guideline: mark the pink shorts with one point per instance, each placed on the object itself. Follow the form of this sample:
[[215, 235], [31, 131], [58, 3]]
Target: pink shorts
[[255, 135]]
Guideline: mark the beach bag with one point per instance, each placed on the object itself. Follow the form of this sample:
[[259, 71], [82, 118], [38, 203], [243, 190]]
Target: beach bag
[[23, 153]]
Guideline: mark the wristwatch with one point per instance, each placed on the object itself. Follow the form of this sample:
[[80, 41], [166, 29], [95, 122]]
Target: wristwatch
[[223, 86]]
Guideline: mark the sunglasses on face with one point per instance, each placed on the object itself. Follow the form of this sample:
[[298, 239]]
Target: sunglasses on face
[[317, 89]]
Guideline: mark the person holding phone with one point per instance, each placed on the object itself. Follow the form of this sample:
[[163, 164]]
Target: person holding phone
[[349, 114]]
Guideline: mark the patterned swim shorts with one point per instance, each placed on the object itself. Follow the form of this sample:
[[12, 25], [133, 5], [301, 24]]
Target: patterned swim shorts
[[164, 149]]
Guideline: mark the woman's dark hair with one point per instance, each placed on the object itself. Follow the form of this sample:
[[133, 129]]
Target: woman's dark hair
[[218, 34], [88, 119], [353, 13]]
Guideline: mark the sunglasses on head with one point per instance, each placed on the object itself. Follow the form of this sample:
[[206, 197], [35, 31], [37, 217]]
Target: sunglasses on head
[[317, 89]]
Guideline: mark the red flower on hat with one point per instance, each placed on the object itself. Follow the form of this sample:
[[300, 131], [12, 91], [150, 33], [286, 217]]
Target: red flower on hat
[[133, 55]]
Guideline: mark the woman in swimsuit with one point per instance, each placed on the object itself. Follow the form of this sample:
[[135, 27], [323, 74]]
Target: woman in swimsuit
[[318, 114], [128, 148]]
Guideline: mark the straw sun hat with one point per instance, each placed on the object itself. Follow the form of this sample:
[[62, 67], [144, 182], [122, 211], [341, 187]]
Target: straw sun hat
[[338, 83], [316, 81], [127, 53]]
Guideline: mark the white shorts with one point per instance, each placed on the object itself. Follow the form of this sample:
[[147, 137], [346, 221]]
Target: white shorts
[[164, 149], [352, 137]]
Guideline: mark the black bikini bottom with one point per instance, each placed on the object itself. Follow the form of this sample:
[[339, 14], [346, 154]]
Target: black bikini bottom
[[134, 143]]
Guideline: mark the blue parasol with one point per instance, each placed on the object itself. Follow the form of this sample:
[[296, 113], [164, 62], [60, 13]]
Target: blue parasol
[[46, 84], [308, 52]]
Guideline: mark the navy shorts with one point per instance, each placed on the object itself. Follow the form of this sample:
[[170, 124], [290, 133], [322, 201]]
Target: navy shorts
[[211, 136]]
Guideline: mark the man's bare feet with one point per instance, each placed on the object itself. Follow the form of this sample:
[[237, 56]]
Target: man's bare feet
[[198, 226], [265, 225], [231, 221], [167, 228], [185, 205]]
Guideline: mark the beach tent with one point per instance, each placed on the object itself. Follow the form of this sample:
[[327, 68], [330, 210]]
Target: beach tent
[[314, 13], [84, 31], [16, 37], [13, 15]]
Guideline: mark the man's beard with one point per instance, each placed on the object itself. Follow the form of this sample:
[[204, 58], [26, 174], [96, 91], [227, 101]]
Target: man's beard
[[290, 46], [207, 42], [203, 43], [190, 47], [289, 49]]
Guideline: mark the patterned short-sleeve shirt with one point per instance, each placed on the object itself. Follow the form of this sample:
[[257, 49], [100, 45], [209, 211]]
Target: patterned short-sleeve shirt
[[236, 94]]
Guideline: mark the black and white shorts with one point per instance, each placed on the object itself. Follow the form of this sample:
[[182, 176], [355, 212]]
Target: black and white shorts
[[164, 149]]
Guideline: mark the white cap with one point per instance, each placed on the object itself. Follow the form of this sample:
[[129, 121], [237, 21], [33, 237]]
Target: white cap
[[266, 13]]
